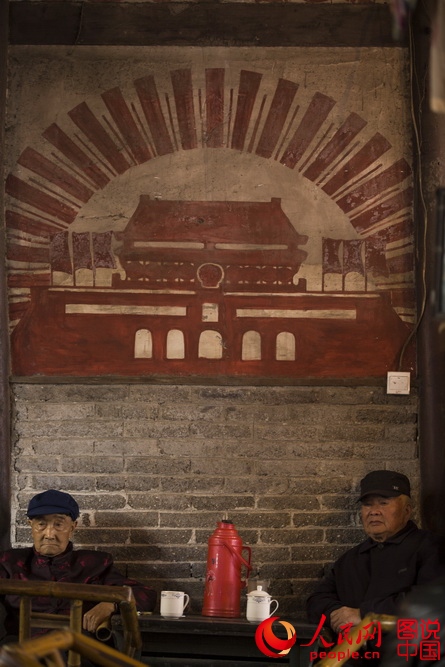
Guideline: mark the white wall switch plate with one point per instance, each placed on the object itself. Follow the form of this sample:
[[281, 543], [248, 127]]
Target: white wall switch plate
[[398, 382]]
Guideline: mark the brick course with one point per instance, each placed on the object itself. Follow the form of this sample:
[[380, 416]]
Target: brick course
[[155, 467]]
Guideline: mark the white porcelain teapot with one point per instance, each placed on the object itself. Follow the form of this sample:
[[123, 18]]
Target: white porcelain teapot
[[259, 605]]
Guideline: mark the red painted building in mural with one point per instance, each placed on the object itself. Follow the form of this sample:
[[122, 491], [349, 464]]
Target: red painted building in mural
[[205, 289]]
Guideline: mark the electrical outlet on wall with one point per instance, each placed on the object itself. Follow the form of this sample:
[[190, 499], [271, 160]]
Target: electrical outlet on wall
[[398, 382]]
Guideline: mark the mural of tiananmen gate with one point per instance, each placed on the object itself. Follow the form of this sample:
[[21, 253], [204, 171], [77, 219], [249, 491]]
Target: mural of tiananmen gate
[[208, 287]]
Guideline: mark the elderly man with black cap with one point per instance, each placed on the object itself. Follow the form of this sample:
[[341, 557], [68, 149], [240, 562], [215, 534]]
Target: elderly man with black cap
[[53, 516], [376, 575]]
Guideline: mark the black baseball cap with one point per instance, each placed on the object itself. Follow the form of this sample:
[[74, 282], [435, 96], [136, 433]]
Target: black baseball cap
[[386, 483], [53, 502]]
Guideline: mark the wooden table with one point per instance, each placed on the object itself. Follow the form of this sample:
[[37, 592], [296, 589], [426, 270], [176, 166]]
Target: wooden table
[[201, 641]]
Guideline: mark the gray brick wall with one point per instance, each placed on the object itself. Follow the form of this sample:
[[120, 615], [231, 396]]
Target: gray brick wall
[[155, 467]]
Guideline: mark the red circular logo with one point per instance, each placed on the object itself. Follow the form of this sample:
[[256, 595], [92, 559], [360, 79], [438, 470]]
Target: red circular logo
[[266, 640]]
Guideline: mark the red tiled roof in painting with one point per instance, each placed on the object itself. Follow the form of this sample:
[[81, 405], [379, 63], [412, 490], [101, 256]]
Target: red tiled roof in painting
[[239, 234]]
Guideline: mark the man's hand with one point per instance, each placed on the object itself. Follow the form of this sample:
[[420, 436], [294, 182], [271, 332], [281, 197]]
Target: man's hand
[[97, 615], [343, 616]]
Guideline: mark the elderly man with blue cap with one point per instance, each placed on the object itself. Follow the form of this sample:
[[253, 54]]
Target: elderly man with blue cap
[[53, 516], [376, 575]]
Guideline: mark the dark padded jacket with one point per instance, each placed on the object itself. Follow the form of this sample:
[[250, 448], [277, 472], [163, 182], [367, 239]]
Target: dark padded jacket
[[375, 576]]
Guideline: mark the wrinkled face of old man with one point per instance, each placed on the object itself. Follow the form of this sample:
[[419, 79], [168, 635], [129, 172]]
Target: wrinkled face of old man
[[51, 533], [384, 517]]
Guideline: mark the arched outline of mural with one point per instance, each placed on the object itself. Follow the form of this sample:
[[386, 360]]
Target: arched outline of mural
[[339, 159]]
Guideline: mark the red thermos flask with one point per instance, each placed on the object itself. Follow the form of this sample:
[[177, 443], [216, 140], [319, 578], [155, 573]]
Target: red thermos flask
[[223, 577]]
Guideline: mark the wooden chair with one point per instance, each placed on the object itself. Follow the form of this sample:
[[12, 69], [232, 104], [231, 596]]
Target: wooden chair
[[49, 650], [77, 593]]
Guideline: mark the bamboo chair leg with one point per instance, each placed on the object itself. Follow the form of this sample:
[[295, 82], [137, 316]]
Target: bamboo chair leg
[[25, 619], [54, 659], [74, 658]]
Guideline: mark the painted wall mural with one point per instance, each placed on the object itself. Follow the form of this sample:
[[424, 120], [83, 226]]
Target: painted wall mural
[[215, 218]]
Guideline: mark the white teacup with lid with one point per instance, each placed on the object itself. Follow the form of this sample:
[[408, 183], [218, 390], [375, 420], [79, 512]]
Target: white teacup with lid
[[259, 605]]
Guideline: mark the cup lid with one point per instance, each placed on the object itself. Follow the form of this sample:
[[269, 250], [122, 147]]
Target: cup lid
[[259, 593]]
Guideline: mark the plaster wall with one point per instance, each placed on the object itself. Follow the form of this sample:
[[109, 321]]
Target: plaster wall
[[323, 132]]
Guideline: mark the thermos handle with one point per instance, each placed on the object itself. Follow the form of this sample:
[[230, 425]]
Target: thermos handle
[[243, 561], [248, 565]]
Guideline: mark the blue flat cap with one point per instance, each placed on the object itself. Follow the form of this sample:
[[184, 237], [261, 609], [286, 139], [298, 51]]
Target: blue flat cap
[[53, 502]]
